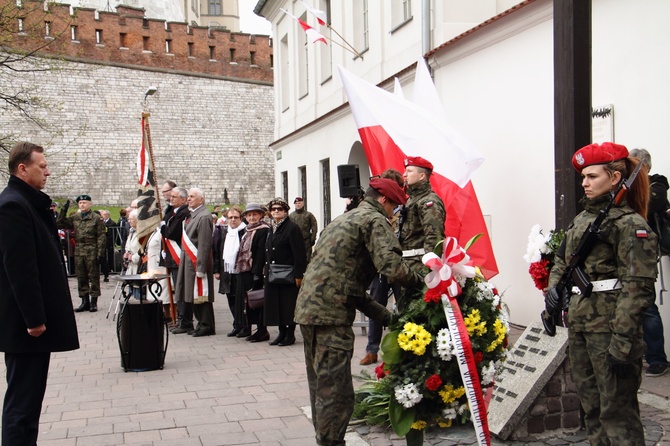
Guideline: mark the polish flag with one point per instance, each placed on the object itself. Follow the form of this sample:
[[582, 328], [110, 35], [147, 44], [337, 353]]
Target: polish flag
[[321, 16], [391, 128], [312, 34], [143, 161]]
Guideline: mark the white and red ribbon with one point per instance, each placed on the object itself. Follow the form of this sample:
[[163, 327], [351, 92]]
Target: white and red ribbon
[[174, 249], [200, 285], [454, 261]]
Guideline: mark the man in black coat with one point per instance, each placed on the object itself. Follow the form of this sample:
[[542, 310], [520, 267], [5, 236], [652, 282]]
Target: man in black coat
[[36, 316]]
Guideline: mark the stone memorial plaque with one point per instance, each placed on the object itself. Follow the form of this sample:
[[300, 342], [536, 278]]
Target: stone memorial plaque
[[532, 361]]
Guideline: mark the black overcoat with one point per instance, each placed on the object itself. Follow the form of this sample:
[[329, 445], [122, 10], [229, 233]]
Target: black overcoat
[[33, 284], [285, 247]]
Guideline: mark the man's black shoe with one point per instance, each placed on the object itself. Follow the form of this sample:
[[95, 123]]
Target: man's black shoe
[[243, 333], [259, 337], [180, 330], [202, 332], [233, 333]]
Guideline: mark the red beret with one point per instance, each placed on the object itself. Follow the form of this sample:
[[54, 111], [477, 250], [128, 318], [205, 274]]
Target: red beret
[[297, 199], [389, 189], [604, 153], [418, 162]]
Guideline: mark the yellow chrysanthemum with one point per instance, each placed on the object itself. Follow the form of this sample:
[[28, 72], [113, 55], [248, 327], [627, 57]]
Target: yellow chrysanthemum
[[444, 423], [414, 338], [419, 425], [474, 324], [500, 331], [449, 394]]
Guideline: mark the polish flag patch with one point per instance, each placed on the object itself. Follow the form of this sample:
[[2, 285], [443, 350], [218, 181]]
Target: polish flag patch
[[429, 204], [641, 233]]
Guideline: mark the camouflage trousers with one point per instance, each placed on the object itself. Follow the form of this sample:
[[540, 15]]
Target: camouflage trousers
[[88, 275], [328, 352], [612, 412]]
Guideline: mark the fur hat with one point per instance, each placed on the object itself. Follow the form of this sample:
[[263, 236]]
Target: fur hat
[[279, 201]]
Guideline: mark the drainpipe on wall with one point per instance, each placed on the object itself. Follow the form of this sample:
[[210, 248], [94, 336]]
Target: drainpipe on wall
[[425, 27]]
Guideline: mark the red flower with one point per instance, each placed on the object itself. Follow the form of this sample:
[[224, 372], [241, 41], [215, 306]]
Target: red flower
[[478, 357], [435, 294], [539, 271], [380, 372], [434, 382]]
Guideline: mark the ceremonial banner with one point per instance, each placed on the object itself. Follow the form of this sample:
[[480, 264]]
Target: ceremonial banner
[[148, 212]]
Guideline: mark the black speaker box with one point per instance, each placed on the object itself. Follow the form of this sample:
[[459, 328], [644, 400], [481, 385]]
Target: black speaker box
[[349, 179]]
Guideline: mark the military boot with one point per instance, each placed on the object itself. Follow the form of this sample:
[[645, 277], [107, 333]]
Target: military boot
[[85, 305], [94, 304]]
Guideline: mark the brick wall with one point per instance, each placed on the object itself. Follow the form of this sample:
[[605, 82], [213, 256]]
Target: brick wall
[[207, 132], [126, 37], [555, 408]]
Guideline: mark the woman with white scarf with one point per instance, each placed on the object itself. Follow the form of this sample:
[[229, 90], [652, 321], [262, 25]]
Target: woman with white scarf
[[225, 246]]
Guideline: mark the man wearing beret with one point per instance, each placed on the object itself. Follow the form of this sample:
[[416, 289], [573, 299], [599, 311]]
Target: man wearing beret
[[351, 250], [422, 225], [307, 223], [90, 241]]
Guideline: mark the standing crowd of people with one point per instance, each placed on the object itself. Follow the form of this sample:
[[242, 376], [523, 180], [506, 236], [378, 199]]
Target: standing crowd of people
[[320, 282]]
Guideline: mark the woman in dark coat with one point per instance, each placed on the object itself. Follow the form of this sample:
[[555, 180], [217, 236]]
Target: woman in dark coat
[[250, 262], [285, 246]]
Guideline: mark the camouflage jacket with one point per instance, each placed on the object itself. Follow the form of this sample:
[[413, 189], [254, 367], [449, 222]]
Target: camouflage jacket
[[307, 223], [626, 249], [423, 226], [351, 249], [89, 232]]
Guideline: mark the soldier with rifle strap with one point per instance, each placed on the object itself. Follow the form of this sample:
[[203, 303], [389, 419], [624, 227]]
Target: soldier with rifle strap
[[605, 275]]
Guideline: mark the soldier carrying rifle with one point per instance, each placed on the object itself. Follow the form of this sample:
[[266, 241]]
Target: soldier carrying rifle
[[604, 275]]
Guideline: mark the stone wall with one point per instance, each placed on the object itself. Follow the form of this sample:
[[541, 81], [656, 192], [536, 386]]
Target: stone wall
[[208, 132]]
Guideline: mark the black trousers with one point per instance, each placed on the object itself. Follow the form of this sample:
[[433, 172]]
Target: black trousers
[[26, 384]]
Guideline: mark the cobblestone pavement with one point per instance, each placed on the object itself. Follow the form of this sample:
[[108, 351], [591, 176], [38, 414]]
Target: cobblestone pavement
[[218, 390]]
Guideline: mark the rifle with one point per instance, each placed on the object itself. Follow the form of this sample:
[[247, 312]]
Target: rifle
[[558, 296]]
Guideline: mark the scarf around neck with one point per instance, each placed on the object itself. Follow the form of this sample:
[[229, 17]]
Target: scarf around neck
[[244, 260], [231, 247]]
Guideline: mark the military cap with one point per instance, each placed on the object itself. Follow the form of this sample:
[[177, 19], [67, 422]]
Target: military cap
[[297, 199], [83, 197], [389, 189], [279, 201], [418, 162], [253, 207], [53, 204], [604, 153]]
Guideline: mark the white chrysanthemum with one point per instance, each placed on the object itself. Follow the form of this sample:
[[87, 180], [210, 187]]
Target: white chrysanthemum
[[537, 245], [488, 373], [449, 413], [485, 291], [445, 347], [408, 395], [504, 318], [462, 409], [460, 279]]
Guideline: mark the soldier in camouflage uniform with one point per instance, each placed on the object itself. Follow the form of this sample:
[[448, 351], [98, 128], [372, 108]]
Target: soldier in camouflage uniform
[[90, 240], [605, 328], [350, 251], [422, 221], [307, 223]]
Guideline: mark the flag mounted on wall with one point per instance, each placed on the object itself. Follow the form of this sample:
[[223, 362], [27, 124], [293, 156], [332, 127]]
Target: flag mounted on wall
[[392, 128]]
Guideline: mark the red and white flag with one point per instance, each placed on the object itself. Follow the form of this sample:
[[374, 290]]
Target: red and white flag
[[143, 160], [391, 128], [321, 16], [312, 34]]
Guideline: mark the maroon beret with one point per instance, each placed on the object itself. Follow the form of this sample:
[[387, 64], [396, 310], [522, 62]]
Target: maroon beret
[[418, 162], [297, 199], [604, 153], [389, 189]]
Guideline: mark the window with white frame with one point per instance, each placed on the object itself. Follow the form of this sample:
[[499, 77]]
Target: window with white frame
[[361, 26], [401, 12]]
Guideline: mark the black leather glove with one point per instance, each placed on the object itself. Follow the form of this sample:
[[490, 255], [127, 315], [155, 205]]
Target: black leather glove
[[552, 300], [66, 206], [621, 369]]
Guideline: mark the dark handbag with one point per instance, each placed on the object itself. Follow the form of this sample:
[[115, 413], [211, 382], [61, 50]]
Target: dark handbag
[[281, 274], [256, 299]]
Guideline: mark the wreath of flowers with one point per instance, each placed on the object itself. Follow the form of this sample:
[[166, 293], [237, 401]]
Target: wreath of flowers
[[540, 254], [419, 383]]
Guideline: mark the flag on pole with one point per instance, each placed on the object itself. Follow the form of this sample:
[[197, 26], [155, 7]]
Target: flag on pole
[[312, 34], [391, 128], [321, 16], [148, 212]]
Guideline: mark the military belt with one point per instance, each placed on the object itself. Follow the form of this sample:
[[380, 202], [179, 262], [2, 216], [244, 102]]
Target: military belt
[[602, 285], [413, 252]]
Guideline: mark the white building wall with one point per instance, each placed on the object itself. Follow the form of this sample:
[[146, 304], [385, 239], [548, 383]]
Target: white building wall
[[496, 85]]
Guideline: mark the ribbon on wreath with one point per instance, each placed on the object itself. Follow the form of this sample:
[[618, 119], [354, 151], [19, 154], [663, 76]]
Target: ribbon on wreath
[[442, 271]]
